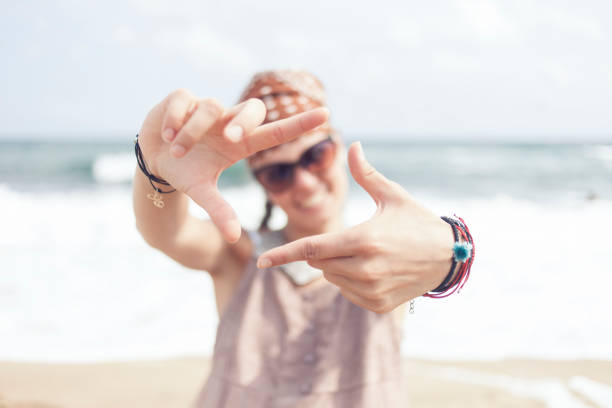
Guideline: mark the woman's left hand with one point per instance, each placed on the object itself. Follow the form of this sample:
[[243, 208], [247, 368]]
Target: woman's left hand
[[402, 252]]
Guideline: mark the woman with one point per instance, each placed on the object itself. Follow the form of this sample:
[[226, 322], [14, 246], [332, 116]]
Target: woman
[[288, 335]]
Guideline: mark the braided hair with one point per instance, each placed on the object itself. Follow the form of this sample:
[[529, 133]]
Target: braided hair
[[263, 226]]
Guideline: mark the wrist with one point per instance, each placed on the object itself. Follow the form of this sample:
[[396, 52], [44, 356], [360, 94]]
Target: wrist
[[443, 264], [155, 181]]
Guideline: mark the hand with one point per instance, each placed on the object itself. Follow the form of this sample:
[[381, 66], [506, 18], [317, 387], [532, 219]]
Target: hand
[[402, 252], [189, 141]]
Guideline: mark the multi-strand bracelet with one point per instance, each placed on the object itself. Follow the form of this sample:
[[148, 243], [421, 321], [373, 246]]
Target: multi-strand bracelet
[[463, 254], [155, 197]]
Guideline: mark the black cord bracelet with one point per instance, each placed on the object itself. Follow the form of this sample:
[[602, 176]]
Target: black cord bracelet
[[143, 167]]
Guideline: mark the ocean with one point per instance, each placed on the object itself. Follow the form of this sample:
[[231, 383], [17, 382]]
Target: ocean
[[79, 284]]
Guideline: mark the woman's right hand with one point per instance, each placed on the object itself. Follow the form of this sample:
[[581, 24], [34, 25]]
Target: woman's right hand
[[189, 141], [402, 252]]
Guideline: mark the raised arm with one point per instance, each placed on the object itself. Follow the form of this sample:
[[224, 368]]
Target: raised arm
[[189, 142]]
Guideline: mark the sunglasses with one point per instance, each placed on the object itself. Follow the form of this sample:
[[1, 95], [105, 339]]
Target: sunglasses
[[279, 177]]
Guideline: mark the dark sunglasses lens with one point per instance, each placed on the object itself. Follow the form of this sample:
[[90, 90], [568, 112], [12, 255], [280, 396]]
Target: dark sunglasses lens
[[277, 177], [320, 156]]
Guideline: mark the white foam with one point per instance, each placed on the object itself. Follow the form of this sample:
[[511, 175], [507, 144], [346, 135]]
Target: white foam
[[600, 394], [602, 152], [114, 168], [79, 284], [550, 391], [533, 287]]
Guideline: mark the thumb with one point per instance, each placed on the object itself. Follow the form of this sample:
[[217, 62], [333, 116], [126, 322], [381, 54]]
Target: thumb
[[220, 212], [380, 188]]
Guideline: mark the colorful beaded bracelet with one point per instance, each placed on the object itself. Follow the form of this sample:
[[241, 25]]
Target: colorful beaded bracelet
[[463, 253]]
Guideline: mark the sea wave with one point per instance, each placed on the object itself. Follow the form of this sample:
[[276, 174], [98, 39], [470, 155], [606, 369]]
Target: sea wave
[[601, 152], [538, 172]]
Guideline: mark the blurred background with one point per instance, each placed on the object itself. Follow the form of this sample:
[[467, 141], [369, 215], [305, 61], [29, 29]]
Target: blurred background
[[496, 110]]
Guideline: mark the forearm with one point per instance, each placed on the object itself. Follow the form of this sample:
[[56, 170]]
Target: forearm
[[171, 226], [193, 242]]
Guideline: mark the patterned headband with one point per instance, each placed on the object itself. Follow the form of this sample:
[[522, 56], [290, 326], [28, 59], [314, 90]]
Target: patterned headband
[[285, 92]]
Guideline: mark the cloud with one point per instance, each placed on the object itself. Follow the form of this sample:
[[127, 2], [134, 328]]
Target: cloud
[[125, 36], [563, 20], [204, 48], [405, 31], [196, 44], [454, 62], [488, 22], [169, 9], [450, 65]]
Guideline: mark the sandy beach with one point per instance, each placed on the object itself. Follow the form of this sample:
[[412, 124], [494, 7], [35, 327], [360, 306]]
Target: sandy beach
[[175, 382]]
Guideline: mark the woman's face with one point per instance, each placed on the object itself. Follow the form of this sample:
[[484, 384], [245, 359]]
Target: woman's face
[[313, 202]]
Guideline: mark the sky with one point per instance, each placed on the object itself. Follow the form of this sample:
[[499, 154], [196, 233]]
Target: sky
[[537, 70]]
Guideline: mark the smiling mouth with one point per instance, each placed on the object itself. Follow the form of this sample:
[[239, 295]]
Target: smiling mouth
[[312, 201]]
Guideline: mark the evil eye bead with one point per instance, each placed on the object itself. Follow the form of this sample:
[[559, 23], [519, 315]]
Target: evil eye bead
[[462, 251]]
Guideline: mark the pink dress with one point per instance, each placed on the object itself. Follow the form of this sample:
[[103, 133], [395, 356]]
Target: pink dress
[[283, 345]]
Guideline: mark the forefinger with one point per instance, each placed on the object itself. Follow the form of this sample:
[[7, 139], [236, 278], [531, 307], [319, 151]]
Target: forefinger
[[179, 106], [285, 130], [332, 245]]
